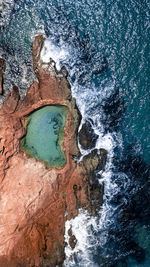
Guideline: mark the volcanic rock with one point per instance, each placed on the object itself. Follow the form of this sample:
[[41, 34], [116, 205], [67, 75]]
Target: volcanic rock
[[34, 197], [72, 239], [103, 154], [2, 69], [87, 137]]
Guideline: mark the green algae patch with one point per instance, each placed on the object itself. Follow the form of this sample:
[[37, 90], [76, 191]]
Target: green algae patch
[[45, 132]]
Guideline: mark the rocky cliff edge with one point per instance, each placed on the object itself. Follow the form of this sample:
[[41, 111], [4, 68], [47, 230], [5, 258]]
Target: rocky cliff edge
[[35, 199]]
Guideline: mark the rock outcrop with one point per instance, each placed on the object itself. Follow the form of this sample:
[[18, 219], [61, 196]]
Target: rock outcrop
[[87, 137], [35, 199], [2, 69]]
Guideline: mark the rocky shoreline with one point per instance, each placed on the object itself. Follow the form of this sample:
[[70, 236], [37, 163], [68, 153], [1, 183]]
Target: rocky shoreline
[[36, 200]]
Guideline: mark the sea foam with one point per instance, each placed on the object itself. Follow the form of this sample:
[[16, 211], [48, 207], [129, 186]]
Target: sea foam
[[89, 231]]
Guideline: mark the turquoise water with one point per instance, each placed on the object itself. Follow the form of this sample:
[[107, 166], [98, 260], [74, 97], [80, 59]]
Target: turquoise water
[[108, 46], [44, 135]]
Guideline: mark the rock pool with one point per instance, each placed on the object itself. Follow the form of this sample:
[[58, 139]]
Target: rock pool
[[45, 131]]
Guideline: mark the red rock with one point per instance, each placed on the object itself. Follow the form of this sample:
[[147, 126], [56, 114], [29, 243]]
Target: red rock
[[11, 101], [32, 95], [34, 197], [36, 50]]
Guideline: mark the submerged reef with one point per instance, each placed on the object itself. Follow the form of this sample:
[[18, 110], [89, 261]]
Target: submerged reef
[[42, 182]]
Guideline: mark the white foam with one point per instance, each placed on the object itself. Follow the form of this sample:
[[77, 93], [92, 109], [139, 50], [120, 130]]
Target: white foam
[[57, 53], [6, 7], [81, 228], [82, 225]]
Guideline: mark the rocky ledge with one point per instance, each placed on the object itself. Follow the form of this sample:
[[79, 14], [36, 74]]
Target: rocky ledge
[[37, 199], [2, 70]]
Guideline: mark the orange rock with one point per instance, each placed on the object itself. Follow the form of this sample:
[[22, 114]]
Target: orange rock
[[34, 197], [32, 95], [11, 101]]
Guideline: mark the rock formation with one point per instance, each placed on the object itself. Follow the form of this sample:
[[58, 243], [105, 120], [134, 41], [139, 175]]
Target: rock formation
[[2, 69], [36, 199], [87, 137]]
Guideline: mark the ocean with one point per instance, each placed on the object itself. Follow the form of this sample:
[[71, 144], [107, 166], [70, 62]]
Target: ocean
[[105, 47]]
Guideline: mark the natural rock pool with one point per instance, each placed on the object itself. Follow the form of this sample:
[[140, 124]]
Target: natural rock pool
[[45, 131]]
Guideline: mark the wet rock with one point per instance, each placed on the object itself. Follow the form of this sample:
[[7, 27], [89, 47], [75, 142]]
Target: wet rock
[[2, 70], [92, 163], [96, 196], [72, 239], [103, 155], [63, 72], [87, 137]]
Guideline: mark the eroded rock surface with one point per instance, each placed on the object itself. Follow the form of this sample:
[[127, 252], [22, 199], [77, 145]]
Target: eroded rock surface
[[2, 69], [36, 199], [87, 137]]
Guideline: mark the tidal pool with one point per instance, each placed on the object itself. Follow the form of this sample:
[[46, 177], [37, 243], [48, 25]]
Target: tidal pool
[[45, 131]]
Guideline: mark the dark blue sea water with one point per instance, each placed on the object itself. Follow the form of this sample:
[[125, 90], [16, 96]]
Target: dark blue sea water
[[105, 46]]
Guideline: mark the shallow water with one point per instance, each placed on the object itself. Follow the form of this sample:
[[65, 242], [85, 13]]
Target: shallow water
[[104, 45], [44, 135]]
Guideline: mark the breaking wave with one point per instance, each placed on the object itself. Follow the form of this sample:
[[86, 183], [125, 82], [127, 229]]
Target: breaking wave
[[84, 225]]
